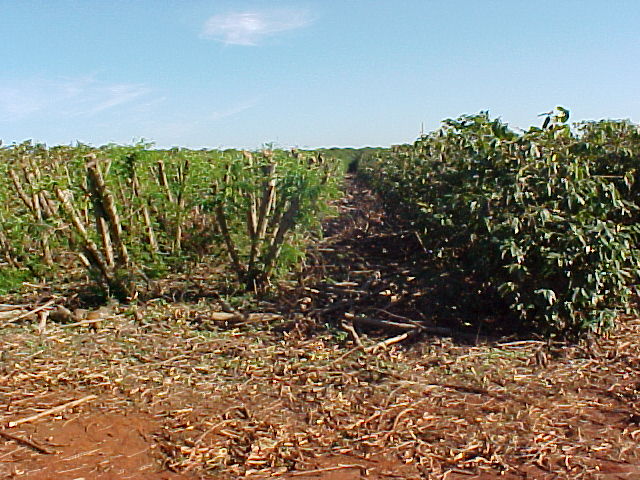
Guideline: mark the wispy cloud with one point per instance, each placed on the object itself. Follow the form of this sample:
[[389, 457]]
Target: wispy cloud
[[15, 102], [65, 97], [233, 110], [190, 127], [119, 94], [249, 28]]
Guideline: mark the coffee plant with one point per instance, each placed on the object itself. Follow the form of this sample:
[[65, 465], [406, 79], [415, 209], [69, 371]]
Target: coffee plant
[[128, 213], [548, 217]]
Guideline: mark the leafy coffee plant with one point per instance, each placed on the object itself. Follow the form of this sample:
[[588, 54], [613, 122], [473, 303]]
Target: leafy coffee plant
[[546, 217]]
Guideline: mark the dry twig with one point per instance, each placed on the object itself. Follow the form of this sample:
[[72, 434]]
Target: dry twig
[[51, 411], [27, 442]]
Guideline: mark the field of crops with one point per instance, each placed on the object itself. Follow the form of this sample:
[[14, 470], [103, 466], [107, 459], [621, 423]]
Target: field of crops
[[129, 214], [459, 307], [545, 219]]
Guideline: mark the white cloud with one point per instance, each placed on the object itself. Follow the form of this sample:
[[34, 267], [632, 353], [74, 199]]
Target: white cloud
[[249, 28], [65, 97]]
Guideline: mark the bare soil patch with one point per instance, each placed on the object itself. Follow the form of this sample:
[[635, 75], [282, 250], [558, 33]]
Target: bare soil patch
[[110, 445]]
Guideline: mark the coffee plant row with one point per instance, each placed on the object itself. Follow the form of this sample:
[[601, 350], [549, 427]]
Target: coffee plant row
[[547, 218], [128, 213]]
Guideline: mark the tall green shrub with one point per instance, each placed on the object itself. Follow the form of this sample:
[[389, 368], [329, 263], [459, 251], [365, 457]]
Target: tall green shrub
[[542, 216]]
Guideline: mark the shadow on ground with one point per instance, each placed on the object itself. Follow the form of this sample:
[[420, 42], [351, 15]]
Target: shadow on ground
[[372, 272]]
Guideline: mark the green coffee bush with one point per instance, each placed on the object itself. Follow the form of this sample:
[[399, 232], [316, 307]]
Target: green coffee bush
[[545, 217]]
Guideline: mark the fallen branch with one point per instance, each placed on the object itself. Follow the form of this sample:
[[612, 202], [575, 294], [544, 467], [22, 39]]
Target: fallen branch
[[374, 322], [85, 322], [31, 312], [7, 307], [52, 411], [327, 469], [27, 442], [417, 327], [351, 329], [402, 318], [346, 354], [343, 303], [390, 341]]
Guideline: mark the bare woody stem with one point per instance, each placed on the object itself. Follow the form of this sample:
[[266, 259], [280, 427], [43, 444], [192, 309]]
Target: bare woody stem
[[285, 224], [33, 203], [5, 245], [99, 188], [151, 236], [93, 253], [224, 229], [183, 171], [266, 203], [162, 180], [19, 190]]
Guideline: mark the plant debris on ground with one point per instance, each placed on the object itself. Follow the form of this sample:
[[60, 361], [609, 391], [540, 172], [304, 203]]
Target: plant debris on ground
[[306, 388]]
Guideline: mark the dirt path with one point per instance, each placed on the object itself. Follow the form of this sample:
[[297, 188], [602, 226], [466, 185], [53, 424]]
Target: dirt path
[[373, 273], [184, 392]]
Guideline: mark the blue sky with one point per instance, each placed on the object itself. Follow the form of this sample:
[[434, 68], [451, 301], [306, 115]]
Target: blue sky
[[308, 73]]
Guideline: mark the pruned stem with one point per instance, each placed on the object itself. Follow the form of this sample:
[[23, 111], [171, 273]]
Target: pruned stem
[[106, 201], [151, 236], [162, 180], [89, 245], [224, 229], [285, 224], [19, 190]]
